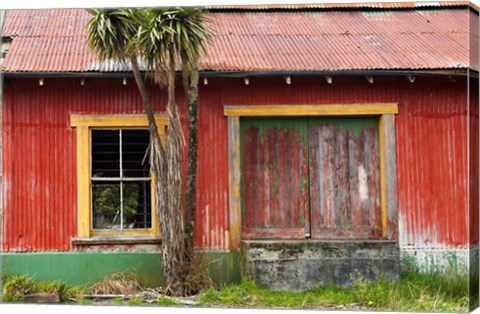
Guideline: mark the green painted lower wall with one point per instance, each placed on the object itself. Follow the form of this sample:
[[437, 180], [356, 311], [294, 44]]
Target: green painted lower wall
[[78, 268]]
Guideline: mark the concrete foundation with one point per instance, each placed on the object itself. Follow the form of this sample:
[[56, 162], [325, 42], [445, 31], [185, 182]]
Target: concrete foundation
[[303, 265]]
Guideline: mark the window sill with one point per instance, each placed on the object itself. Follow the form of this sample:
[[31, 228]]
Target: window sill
[[113, 240]]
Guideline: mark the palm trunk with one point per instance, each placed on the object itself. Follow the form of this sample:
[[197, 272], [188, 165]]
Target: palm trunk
[[190, 84], [164, 164], [145, 98], [174, 262], [158, 155]]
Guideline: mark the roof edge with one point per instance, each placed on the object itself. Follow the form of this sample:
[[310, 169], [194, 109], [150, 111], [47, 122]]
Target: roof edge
[[315, 6], [250, 74], [348, 6]]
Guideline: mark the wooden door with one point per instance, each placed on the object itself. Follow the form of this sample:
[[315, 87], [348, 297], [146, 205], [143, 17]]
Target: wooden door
[[344, 178], [317, 177], [274, 177]]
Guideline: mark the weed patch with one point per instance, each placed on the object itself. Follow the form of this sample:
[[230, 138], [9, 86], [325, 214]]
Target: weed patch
[[438, 292], [135, 301], [163, 301], [15, 289], [118, 301]]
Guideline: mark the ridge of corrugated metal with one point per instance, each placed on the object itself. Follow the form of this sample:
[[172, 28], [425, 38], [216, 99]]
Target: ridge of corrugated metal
[[55, 41]]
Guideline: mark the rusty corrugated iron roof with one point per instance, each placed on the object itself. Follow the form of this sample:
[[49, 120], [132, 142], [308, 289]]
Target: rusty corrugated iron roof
[[341, 6], [299, 40]]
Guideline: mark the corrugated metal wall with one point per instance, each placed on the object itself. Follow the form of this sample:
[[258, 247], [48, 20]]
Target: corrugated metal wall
[[432, 165], [473, 167], [39, 151]]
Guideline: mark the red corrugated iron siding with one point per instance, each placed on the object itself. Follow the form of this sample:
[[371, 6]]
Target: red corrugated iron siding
[[432, 165], [40, 163], [473, 166], [474, 134], [39, 177], [39, 151]]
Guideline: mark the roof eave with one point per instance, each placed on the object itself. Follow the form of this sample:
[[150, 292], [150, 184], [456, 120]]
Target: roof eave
[[465, 71]]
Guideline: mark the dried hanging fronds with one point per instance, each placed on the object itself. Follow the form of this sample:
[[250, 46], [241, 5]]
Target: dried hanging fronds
[[119, 283]]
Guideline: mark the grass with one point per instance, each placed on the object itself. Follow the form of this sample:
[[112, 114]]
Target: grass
[[439, 292], [163, 301], [16, 287], [118, 301], [135, 301]]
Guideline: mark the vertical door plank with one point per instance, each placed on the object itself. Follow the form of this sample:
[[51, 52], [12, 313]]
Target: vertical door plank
[[344, 177], [274, 158]]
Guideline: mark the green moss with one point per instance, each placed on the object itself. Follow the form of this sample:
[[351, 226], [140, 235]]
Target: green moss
[[352, 124], [265, 124]]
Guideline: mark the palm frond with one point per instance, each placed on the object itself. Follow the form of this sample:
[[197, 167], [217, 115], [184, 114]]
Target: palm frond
[[109, 33], [193, 35]]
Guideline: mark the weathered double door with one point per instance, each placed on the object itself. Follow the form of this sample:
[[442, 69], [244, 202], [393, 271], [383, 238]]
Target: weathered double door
[[310, 178]]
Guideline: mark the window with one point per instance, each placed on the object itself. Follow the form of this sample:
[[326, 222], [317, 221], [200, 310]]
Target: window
[[121, 182], [114, 184]]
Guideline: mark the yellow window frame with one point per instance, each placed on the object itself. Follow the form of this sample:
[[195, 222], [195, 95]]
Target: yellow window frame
[[84, 123]]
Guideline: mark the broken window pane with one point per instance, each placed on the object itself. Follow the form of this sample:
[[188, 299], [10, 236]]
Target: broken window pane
[[106, 205], [137, 205], [106, 153]]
